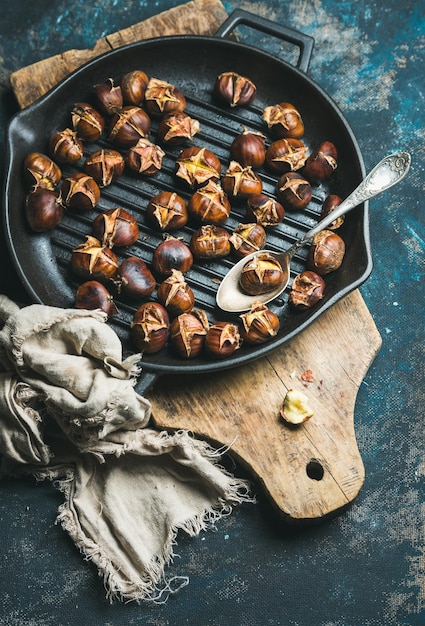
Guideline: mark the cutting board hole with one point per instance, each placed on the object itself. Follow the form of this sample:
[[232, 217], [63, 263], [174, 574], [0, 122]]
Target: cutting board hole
[[315, 470]]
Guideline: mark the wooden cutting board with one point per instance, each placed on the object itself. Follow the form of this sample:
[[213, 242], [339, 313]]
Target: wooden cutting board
[[310, 471]]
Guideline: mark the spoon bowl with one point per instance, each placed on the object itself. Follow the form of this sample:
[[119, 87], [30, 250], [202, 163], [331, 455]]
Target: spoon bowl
[[389, 171]]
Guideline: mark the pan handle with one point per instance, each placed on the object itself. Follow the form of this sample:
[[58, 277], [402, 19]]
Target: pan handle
[[304, 42], [145, 382]]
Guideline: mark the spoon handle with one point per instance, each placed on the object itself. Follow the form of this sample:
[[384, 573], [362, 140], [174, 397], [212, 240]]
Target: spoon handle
[[389, 171]]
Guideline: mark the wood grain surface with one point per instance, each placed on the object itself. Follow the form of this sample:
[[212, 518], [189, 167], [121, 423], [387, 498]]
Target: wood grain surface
[[310, 471]]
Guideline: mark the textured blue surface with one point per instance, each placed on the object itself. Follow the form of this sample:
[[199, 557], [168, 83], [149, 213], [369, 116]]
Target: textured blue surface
[[365, 567]]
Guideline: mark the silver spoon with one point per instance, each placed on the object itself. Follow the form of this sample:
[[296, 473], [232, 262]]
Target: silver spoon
[[384, 175]]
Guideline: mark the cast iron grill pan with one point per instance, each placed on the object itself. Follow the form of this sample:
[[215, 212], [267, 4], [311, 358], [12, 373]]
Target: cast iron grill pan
[[192, 64]]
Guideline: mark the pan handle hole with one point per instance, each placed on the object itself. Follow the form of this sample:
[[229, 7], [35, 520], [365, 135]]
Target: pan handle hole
[[315, 469]]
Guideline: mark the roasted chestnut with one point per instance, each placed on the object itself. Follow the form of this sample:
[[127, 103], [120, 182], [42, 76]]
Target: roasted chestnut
[[145, 157], [133, 87], [249, 148], [65, 146], [134, 278], [93, 295], [261, 274], [321, 163], [172, 253], [162, 97], [116, 227], [222, 339], [210, 242], [80, 191], [247, 238], [259, 324], [128, 125], [209, 204], [264, 209], [41, 171], [196, 166], [175, 294], [87, 122], [293, 191], [234, 89], [306, 290], [167, 211], [93, 260], [104, 166], [330, 203], [284, 120], [286, 155], [150, 327], [326, 252], [187, 334], [108, 96], [177, 127], [43, 209], [241, 182]]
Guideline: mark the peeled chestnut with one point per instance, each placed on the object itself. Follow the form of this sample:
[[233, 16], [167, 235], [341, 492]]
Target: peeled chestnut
[[41, 171], [80, 191], [284, 120], [177, 127], [247, 238], [234, 89], [209, 204], [171, 254], [167, 211], [196, 166], [293, 191], [108, 96], [321, 163], [259, 324], [187, 334], [286, 155], [261, 274], [248, 148], [93, 260], [162, 97], [330, 203], [93, 295], [264, 209], [87, 122], [222, 340], [210, 242], [240, 182], [176, 295], [104, 166], [134, 278], [116, 227], [128, 125], [145, 157], [306, 290], [326, 252], [133, 87], [65, 146], [43, 209], [150, 327]]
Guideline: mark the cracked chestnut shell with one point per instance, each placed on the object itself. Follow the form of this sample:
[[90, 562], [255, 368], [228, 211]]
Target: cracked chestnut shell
[[87, 122], [240, 182], [116, 227], [65, 146], [326, 252], [161, 97], [209, 204], [145, 157], [222, 340], [247, 238], [128, 125], [196, 166], [175, 294], [306, 290], [104, 166], [91, 259], [294, 191], [177, 127], [264, 209], [234, 89], [259, 325], [150, 327], [330, 203], [321, 163], [187, 334], [41, 171], [284, 120], [261, 274], [80, 191], [286, 155], [167, 211], [210, 242], [108, 96]]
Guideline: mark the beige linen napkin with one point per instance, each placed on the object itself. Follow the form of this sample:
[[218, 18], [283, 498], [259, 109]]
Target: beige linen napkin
[[69, 412]]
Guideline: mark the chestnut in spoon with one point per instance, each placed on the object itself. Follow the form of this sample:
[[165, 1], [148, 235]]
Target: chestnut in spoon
[[384, 175]]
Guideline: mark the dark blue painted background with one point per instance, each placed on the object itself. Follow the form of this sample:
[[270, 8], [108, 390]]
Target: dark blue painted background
[[365, 567]]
